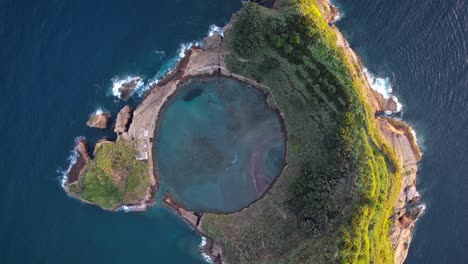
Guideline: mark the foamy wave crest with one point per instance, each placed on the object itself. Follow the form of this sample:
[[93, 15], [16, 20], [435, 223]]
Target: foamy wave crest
[[160, 53], [71, 161], [118, 82], [98, 111], [340, 13], [205, 256], [214, 29], [418, 140], [383, 86], [132, 208], [167, 67], [186, 46]]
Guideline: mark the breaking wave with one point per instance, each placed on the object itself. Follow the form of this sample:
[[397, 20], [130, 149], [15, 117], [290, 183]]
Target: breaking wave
[[98, 111], [340, 14], [160, 53], [167, 67], [164, 70], [383, 86], [205, 256], [118, 81], [214, 29]]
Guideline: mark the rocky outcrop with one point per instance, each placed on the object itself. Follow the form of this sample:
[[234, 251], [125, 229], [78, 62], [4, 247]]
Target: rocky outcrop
[[408, 207], [190, 217], [81, 161], [123, 119], [99, 120], [127, 88], [399, 137], [216, 253]]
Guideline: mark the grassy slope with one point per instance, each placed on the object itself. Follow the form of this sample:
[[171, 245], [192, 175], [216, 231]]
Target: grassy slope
[[320, 99], [114, 177]]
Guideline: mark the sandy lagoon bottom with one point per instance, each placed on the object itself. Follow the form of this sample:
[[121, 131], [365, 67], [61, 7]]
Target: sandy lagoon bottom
[[219, 146]]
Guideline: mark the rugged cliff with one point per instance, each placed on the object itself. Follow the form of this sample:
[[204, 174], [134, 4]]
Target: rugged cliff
[[402, 140]]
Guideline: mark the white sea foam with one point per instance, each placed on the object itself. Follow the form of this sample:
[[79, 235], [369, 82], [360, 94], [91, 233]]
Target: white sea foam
[[161, 53], [167, 67], [340, 12], [214, 29], [383, 86], [118, 81], [132, 208], [71, 161], [418, 140], [205, 256], [98, 111], [234, 160], [183, 47]]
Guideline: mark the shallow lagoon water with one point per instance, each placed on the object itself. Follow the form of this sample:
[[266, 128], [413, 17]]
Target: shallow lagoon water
[[219, 145]]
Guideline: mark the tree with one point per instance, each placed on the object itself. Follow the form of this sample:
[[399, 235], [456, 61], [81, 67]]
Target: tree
[[249, 30]]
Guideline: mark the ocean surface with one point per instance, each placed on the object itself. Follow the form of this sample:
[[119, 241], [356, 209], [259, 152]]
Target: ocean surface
[[419, 48], [59, 60]]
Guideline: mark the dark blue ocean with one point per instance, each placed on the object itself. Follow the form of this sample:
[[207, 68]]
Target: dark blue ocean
[[57, 62], [57, 59]]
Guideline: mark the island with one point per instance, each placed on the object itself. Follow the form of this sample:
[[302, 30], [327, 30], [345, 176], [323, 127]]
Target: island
[[304, 162]]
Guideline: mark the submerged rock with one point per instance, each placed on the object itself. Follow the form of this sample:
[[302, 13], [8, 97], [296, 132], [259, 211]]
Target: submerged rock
[[123, 119], [99, 120]]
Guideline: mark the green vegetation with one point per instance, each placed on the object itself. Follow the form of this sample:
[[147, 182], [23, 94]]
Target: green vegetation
[[114, 177], [249, 30], [334, 200]]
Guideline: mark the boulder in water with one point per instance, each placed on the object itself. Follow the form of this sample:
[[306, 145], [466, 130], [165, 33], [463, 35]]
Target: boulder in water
[[98, 120]]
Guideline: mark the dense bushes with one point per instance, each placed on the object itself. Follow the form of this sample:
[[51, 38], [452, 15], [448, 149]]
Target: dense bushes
[[342, 180], [249, 30], [114, 177]]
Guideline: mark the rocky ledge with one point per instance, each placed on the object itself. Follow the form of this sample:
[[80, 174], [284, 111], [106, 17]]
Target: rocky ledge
[[98, 120], [399, 136]]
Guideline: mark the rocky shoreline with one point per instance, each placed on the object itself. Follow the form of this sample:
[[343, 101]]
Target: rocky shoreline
[[398, 135], [84, 158], [138, 127]]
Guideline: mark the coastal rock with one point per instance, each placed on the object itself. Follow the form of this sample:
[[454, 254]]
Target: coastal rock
[[99, 120], [82, 160], [334, 14], [127, 88], [83, 150], [412, 195], [217, 253], [123, 119], [410, 216], [392, 105], [406, 209], [188, 216]]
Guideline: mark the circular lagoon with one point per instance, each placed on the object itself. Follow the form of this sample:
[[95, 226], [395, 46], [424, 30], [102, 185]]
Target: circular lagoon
[[219, 146]]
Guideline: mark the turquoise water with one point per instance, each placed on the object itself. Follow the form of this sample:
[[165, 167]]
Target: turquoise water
[[219, 145]]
